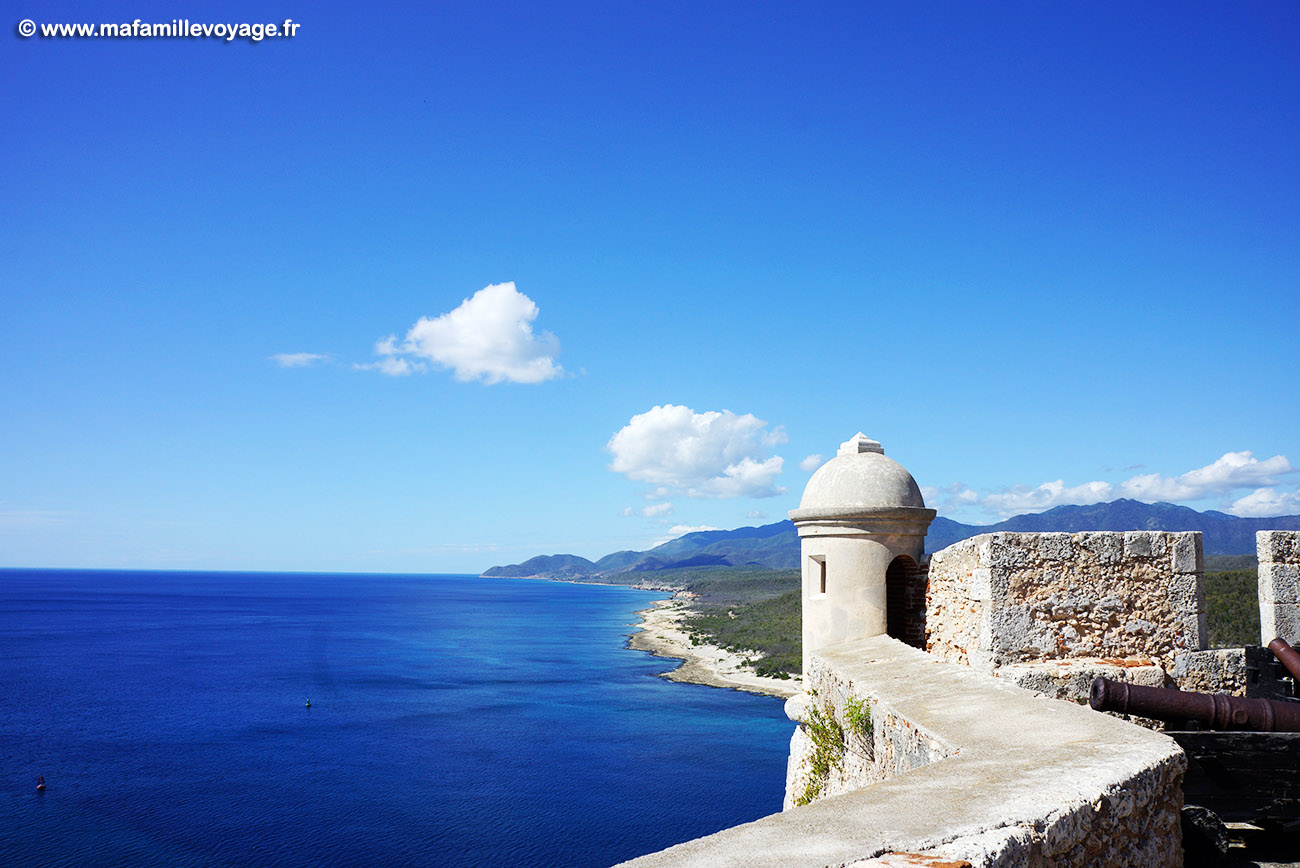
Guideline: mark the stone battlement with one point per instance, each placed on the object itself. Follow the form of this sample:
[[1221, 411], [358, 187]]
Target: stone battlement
[[931, 730], [963, 767]]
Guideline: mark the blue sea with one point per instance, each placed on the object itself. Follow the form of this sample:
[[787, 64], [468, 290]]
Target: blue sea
[[454, 721]]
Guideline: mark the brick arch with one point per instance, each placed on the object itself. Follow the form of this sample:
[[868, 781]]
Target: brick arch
[[905, 587]]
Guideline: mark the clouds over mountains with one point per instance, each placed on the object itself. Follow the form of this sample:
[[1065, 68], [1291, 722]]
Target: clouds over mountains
[[1229, 475]]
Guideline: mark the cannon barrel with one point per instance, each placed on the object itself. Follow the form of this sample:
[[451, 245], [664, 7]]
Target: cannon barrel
[[1216, 711], [1287, 656]]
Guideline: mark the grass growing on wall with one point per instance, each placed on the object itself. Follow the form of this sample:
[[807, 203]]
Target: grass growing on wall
[[857, 714], [827, 736]]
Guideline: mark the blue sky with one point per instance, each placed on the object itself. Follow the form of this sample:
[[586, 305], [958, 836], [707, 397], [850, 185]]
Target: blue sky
[[440, 286]]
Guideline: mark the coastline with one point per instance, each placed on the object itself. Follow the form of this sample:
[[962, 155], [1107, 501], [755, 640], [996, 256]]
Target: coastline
[[661, 634]]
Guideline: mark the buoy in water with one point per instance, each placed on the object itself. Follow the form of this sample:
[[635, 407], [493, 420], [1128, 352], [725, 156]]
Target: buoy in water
[[309, 703], [40, 782]]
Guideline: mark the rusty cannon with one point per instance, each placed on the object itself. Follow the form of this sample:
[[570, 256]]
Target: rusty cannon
[[1287, 656], [1241, 776], [1213, 710]]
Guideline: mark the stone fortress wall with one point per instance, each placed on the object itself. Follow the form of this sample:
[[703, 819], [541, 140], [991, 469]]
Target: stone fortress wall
[[955, 749], [1053, 611], [1279, 585]]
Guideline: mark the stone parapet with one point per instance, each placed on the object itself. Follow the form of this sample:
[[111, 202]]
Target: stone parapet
[[963, 767], [1279, 585], [1220, 670], [879, 742], [1131, 599]]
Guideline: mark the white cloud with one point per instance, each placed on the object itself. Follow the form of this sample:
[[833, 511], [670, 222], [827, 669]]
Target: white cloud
[[712, 454], [950, 497], [654, 510], [681, 530], [390, 363], [1265, 502], [489, 337], [755, 514], [811, 463], [298, 360], [1022, 498], [1232, 472]]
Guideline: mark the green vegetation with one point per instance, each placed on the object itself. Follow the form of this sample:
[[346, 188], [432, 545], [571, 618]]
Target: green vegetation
[[1232, 607], [753, 611], [768, 630], [857, 714], [827, 736], [757, 612], [716, 585], [1224, 563]]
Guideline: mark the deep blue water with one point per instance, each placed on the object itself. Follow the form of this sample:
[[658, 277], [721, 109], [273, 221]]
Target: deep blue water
[[454, 721]]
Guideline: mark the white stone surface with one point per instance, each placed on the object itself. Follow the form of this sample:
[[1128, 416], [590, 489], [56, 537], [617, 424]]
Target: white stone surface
[[1279, 620], [1187, 556], [859, 443], [1278, 546], [1279, 585], [860, 511], [1030, 776], [863, 479]]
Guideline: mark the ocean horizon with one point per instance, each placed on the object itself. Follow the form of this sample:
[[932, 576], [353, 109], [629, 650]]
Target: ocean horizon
[[454, 720]]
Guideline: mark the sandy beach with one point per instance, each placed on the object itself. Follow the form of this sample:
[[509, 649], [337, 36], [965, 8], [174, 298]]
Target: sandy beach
[[662, 635]]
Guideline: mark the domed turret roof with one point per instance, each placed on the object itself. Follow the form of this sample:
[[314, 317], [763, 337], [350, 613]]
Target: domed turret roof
[[861, 477]]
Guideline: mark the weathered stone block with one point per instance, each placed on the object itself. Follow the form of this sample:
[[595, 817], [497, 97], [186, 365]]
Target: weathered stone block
[[1278, 546], [1187, 556], [1009, 631], [1064, 830], [1186, 593], [1220, 671], [1072, 679], [1279, 620], [1006, 551], [1055, 547], [1199, 639], [1279, 583], [1107, 547], [981, 585], [1004, 847], [1139, 544]]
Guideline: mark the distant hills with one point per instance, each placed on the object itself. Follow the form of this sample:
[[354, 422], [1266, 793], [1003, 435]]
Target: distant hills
[[776, 546], [772, 546], [1222, 534]]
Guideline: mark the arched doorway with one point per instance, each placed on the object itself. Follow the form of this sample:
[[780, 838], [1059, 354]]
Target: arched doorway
[[905, 586]]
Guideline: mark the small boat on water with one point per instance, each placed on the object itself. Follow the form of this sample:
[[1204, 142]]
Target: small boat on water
[[40, 782]]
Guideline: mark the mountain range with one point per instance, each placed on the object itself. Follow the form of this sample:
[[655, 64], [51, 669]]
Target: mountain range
[[776, 546]]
